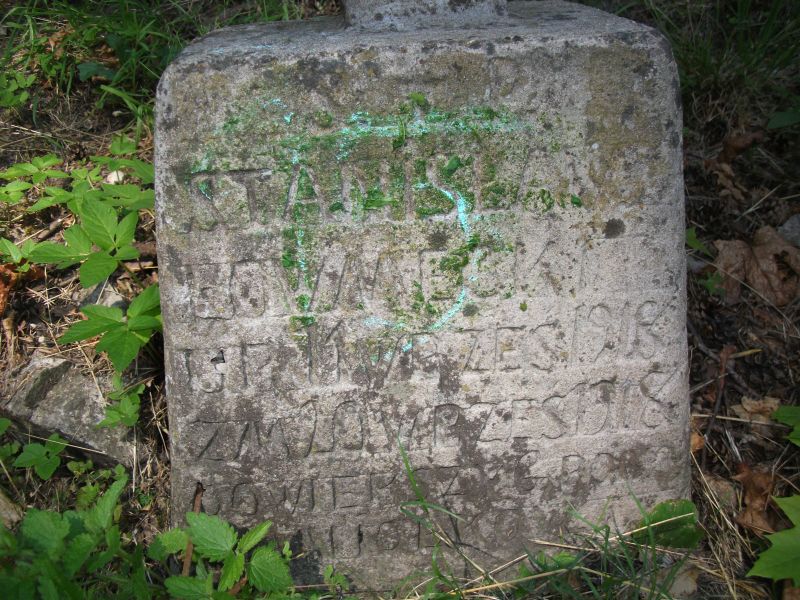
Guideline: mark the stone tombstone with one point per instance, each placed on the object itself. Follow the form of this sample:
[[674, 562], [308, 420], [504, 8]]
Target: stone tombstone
[[456, 229]]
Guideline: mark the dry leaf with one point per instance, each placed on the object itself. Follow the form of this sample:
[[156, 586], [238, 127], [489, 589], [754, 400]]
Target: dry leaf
[[731, 261], [757, 488], [724, 492], [115, 177], [790, 592], [755, 520], [10, 278], [771, 266], [732, 146], [777, 276], [757, 485], [697, 442], [684, 584], [759, 411]]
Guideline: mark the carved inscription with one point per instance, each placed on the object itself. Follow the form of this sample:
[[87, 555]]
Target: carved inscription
[[470, 283]]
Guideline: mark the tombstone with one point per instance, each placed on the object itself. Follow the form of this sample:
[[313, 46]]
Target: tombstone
[[452, 226]]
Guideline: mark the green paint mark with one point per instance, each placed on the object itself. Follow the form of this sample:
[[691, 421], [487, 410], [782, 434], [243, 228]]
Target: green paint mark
[[205, 189], [547, 200], [456, 260], [419, 100], [203, 165], [400, 140], [452, 311], [419, 304], [376, 199], [305, 188], [453, 165], [297, 323], [300, 144], [303, 302], [429, 200], [323, 118], [230, 125]]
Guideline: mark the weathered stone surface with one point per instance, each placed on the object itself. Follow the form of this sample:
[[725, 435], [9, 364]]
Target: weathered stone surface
[[413, 14], [470, 240], [50, 395], [10, 512]]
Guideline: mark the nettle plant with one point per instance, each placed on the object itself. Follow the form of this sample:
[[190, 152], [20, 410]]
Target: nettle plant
[[99, 242]]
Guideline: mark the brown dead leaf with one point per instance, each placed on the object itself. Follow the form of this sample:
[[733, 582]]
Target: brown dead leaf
[[724, 492], [736, 143], [771, 266], [759, 411], [10, 278], [732, 146], [54, 42], [684, 582], [697, 442], [755, 520], [732, 259], [726, 181], [778, 274], [790, 592], [757, 485]]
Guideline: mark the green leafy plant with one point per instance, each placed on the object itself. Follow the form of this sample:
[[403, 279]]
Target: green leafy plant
[[125, 410], [215, 541], [123, 334], [101, 242], [90, 481], [780, 561], [621, 564], [695, 244], [671, 524], [13, 89], [782, 119], [24, 176], [790, 415], [82, 182], [44, 459], [8, 449], [67, 555], [18, 255], [99, 228]]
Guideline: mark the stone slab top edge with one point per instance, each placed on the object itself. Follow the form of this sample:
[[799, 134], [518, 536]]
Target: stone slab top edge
[[545, 22]]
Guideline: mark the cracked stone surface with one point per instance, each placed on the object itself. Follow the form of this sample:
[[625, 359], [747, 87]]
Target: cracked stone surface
[[51, 395], [464, 238]]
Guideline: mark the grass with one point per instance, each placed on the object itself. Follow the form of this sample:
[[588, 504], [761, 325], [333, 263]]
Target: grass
[[75, 73], [119, 49]]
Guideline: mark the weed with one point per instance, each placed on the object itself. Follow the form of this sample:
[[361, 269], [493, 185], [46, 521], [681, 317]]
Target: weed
[[781, 559], [13, 89], [117, 48], [100, 243]]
